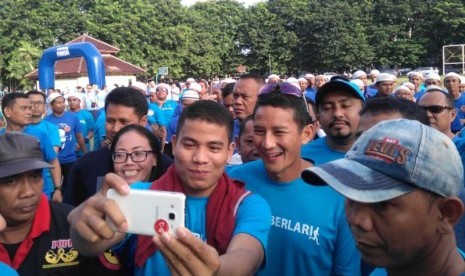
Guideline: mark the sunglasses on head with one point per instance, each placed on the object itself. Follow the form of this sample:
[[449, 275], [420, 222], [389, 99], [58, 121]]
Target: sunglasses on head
[[285, 88], [435, 109]]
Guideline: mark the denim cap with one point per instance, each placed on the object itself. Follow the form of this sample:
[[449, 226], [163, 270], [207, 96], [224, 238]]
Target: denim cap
[[391, 159], [338, 86], [20, 153]]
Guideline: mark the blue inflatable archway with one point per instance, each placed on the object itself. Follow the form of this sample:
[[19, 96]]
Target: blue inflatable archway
[[94, 61]]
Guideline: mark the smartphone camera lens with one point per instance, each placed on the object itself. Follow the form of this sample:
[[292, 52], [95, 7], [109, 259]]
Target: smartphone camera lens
[[172, 216]]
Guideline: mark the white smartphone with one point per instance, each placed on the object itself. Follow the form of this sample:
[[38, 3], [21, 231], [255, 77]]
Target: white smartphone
[[149, 212]]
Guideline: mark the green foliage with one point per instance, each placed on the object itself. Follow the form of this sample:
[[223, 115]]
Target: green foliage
[[214, 37]]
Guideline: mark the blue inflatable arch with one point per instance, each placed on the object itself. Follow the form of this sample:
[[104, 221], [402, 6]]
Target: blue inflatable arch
[[94, 61]]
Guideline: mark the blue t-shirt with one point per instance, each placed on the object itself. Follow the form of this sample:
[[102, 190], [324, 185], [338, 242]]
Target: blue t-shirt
[[68, 126], [253, 218], [87, 124], [168, 109], [459, 104], [5, 270], [48, 152], [100, 130], [155, 115], [50, 129], [310, 93], [171, 128], [319, 151], [309, 233], [418, 94]]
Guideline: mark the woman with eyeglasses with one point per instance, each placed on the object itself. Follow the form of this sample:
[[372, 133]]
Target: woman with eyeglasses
[[135, 154]]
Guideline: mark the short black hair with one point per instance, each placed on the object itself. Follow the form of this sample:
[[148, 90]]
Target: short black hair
[[406, 108], [258, 78], [208, 111], [227, 89], [243, 123], [153, 142], [286, 101], [10, 99], [37, 92], [129, 97]]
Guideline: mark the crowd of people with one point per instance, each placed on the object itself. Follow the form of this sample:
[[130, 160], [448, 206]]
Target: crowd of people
[[296, 176]]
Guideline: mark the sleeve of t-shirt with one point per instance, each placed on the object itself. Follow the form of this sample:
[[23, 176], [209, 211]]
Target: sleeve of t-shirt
[[47, 148], [77, 125], [347, 260], [254, 218], [90, 123], [54, 135]]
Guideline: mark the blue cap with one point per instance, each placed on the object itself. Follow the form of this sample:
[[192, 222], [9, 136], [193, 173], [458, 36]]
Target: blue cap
[[338, 86], [391, 159]]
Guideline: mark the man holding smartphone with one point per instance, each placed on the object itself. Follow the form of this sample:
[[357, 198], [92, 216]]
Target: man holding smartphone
[[228, 226]]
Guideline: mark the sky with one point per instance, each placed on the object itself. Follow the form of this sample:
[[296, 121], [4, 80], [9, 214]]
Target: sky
[[246, 2]]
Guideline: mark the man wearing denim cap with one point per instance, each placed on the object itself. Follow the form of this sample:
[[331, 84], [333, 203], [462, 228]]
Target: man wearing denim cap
[[401, 180], [36, 240], [338, 105]]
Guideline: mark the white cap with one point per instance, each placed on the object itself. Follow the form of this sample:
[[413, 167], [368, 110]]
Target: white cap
[[415, 73], [74, 94], [190, 95], [402, 87], [309, 76], [409, 85], [190, 80], [273, 76], [452, 75], [302, 79], [53, 96], [358, 74], [358, 82], [374, 72], [385, 77], [462, 79], [291, 80], [435, 88], [195, 87], [432, 76]]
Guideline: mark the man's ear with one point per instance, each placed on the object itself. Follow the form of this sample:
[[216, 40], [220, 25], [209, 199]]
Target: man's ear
[[307, 134], [143, 121], [7, 112], [453, 114], [174, 139], [231, 148], [451, 210]]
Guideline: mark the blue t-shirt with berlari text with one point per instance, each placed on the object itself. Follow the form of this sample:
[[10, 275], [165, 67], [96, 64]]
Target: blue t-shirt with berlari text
[[309, 233]]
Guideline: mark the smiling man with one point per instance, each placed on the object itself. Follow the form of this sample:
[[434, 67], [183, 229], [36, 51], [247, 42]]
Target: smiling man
[[339, 103], [227, 227], [303, 239], [401, 197]]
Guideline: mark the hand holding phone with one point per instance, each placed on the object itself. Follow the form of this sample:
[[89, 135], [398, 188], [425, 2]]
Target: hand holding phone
[[148, 212]]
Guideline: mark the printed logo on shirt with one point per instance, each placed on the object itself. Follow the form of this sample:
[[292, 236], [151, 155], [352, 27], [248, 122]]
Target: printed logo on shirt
[[61, 253], [302, 228], [110, 260]]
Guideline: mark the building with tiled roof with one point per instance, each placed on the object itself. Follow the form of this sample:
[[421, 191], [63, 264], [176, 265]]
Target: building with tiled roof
[[70, 73]]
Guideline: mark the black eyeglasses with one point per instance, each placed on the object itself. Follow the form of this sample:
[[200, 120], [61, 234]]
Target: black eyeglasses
[[285, 88], [37, 103], [136, 156], [435, 109]]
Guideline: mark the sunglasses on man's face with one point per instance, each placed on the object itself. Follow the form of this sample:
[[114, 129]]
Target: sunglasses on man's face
[[435, 109], [285, 88]]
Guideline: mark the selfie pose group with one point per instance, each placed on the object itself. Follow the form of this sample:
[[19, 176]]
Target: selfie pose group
[[376, 191]]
